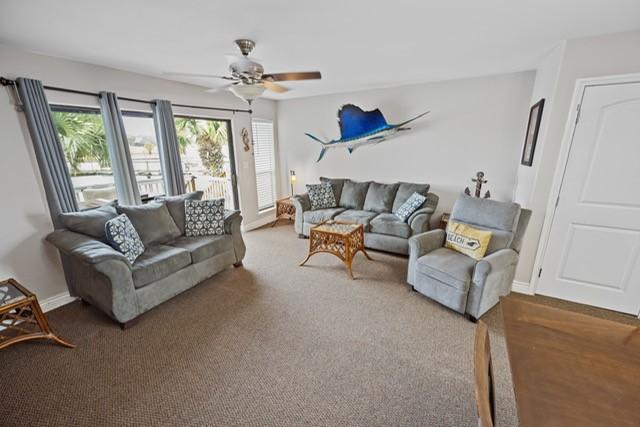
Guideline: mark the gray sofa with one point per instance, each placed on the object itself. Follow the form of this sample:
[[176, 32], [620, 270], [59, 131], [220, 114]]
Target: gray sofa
[[170, 264], [373, 205], [458, 281]]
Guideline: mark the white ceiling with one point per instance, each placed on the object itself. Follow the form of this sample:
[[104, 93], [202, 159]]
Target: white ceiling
[[356, 44]]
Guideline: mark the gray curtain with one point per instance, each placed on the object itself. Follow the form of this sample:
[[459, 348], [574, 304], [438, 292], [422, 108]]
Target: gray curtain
[[121, 164], [46, 144], [168, 148]]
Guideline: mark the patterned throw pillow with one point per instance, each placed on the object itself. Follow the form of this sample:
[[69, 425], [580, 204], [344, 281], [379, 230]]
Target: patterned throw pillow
[[204, 217], [467, 240], [321, 196], [410, 206], [123, 237]]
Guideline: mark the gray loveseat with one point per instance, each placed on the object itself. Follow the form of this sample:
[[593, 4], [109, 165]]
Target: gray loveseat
[[458, 281], [373, 205], [170, 264]]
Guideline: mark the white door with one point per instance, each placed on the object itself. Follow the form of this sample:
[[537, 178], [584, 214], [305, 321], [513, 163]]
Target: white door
[[593, 254]]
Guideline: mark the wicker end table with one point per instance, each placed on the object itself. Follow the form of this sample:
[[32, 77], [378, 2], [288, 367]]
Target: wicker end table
[[285, 209], [342, 239], [21, 317]]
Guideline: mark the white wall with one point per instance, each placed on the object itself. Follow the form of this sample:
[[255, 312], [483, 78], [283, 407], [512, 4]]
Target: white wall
[[474, 124], [25, 216], [611, 54], [546, 82]]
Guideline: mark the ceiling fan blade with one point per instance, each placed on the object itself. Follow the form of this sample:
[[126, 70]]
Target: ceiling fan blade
[[274, 87], [281, 77], [221, 88], [208, 76]]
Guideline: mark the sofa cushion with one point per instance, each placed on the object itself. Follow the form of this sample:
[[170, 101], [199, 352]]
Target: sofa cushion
[[320, 215], [152, 221], [485, 212], [405, 190], [336, 183], [203, 247], [321, 196], [448, 266], [357, 216], [204, 217], [158, 261], [353, 194], [380, 197], [175, 204], [388, 223], [90, 222], [123, 237]]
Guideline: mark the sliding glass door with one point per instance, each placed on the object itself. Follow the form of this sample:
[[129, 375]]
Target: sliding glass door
[[208, 163]]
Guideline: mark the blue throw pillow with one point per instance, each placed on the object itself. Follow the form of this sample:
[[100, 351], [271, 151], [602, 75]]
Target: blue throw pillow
[[410, 206], [123, 237], [321, 196], [204, 217]]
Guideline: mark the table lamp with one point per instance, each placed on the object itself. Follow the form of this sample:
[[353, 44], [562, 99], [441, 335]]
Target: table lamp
[[293, 179]]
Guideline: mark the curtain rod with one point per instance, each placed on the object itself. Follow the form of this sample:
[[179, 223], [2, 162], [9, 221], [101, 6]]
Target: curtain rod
[[8, 82]]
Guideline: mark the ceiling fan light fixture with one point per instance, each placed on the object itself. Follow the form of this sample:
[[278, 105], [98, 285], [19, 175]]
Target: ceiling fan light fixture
[[248, 92]]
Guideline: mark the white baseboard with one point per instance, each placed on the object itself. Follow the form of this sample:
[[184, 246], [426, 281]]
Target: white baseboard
[[56, 301], [521, 287]]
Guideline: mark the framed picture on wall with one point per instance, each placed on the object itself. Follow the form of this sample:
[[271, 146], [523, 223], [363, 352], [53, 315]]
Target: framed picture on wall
[[535, 114]]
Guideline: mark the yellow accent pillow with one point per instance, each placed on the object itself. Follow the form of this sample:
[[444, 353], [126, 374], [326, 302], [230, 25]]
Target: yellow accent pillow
[[467, 240]]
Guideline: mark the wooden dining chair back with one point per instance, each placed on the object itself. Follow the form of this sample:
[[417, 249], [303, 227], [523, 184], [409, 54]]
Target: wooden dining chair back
[[483, 370]]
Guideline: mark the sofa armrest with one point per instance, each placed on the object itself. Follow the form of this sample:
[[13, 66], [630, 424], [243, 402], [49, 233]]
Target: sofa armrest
[[302, 203], [494, 262], [419, 220], [492, 278], [232, 226], [84, 247], [231, 217], [97, 273], [422, 244]]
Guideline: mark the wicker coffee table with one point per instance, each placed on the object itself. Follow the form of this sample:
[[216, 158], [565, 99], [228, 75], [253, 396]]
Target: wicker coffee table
[[342, 239]]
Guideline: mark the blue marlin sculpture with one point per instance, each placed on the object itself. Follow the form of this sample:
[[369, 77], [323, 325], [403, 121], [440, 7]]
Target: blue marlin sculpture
[[358, 128]]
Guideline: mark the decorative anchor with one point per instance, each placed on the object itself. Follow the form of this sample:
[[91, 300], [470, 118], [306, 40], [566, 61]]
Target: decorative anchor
[[479, 180]]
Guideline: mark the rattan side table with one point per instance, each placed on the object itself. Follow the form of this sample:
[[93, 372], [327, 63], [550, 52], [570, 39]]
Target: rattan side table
[[285, 209], [21, 317]]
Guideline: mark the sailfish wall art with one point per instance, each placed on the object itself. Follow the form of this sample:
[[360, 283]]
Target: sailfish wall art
[[359, 128]]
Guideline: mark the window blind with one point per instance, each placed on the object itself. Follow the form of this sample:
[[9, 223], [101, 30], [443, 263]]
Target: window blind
[[264, 154]]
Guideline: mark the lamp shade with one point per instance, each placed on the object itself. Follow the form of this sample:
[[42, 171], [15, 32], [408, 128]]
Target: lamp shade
[[248, 92]]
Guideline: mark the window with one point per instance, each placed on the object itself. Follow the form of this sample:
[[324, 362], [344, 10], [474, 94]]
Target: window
[[264, 153], [143, 147], [207, 158], [84, 144]]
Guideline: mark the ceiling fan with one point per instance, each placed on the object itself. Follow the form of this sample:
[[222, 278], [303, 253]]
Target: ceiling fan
[[248, 80]]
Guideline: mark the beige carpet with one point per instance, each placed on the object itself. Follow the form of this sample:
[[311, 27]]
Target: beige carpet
[[268, 344]]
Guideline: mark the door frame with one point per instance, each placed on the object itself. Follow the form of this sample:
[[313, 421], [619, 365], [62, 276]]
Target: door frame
[[563, 158]]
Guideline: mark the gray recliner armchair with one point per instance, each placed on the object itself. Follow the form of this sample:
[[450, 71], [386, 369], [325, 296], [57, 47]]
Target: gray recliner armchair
[[458, 281]]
